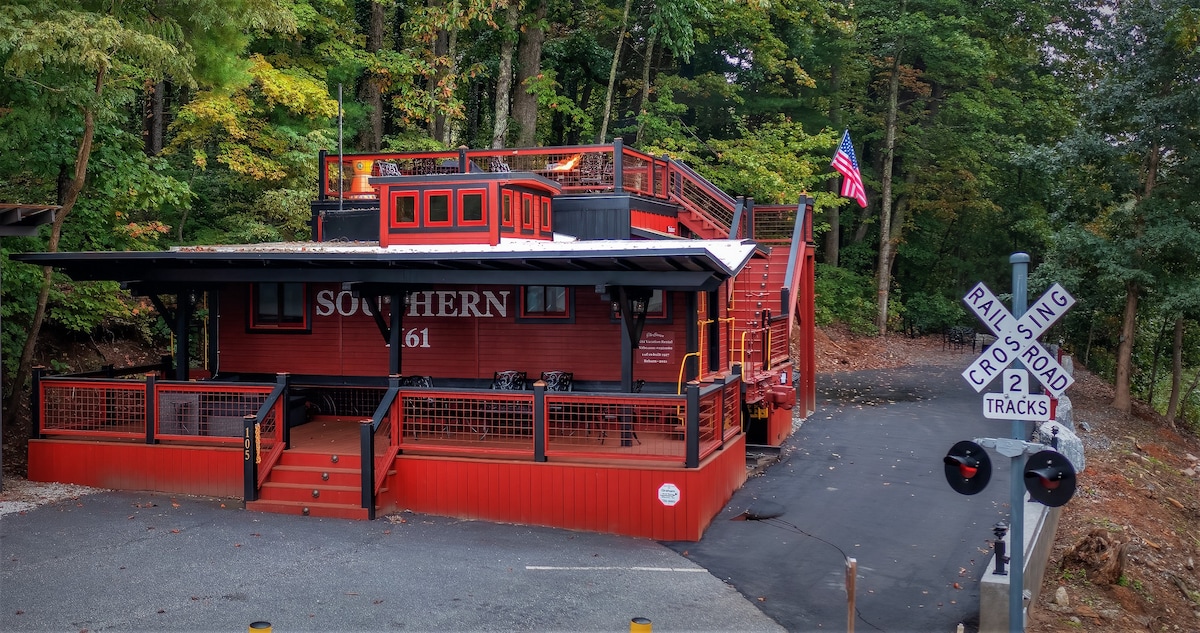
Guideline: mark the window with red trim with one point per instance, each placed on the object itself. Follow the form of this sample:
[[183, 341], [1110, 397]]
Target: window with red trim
[[471, 207], [545, 214], [437, 208], [526, 211], [506, 208], [279, 306], [404, 209], [545, 302]]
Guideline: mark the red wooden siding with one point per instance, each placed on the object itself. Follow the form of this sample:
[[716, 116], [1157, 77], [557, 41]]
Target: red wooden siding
[[654, 222], [461, 347], [193, 470], [593, 497]]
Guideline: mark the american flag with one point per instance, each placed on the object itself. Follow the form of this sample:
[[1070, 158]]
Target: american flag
[[847, 165]]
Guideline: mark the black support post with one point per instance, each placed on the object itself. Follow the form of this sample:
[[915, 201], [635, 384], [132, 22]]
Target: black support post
[[151, 410], [539, 421], [692, 364], [618, 165], [692, 435], [249, 459], [366, 434], [714, 330], [35, 404], [183, 314], [396, 335]]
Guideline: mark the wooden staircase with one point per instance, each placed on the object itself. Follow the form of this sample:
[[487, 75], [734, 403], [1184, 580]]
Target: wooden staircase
[[309, 483]]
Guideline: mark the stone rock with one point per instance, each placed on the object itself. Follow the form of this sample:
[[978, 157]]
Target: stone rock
[[1064, 413], [1069, 444], [1060, 597], [1192, 457]]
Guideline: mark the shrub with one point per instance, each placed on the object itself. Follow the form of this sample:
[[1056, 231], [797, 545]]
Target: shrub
[[845, 297]]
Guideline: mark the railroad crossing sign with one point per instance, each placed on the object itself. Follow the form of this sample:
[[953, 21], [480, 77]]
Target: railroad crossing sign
[[1017, 339]]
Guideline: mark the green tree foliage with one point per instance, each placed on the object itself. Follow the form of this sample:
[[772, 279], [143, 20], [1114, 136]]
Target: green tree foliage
[[1066, 130]]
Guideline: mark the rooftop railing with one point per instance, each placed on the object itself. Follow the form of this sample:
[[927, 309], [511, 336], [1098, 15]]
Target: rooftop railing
[[577, 169]]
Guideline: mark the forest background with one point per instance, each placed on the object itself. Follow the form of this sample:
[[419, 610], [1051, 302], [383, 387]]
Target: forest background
[[1067, 130]]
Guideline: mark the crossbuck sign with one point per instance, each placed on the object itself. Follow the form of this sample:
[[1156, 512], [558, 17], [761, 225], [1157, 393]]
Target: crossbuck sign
[[1016, 339]]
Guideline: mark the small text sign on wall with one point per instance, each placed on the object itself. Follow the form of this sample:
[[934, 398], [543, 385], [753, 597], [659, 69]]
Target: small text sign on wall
[[657, 348], [668, 494]]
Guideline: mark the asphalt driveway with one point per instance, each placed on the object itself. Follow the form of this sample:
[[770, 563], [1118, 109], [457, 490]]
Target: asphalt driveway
[[864, 478]]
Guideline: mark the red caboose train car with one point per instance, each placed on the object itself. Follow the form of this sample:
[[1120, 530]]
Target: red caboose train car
[[583, 337]]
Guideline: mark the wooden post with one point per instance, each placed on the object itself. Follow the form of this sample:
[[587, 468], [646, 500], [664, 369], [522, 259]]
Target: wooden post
[[851, 576]]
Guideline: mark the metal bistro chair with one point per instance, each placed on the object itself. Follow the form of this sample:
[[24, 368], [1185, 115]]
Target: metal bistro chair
[[425, 409], [499, 412], [561, 381]]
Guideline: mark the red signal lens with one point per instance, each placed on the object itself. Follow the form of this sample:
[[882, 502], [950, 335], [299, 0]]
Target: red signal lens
[[967, 471]]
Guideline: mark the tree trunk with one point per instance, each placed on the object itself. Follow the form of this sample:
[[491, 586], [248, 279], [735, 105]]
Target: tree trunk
[[505, 75], [1162, 330], [451, 76], [883, 274], [440, 42], [1121, 386], [645, 99], [371, 137], [529, 64], [612, 75], [1176, 371], [152, 131], [1121, 400], [833, 236], [70, 196]]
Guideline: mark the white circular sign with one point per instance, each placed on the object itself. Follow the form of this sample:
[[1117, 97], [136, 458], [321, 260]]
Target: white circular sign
[[668, 494]]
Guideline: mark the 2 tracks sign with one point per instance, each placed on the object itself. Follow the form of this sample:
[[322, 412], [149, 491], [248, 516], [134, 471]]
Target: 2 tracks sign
[[1016, 339]]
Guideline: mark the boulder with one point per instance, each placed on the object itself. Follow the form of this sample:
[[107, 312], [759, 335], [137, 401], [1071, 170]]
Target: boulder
[[1069, 444]]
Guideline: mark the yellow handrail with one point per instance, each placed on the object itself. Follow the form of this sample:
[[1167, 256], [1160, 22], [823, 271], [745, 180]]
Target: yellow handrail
[[682, 364]]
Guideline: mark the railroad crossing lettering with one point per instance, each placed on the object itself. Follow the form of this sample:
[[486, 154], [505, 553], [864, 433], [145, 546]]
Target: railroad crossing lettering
[[1016, 339]]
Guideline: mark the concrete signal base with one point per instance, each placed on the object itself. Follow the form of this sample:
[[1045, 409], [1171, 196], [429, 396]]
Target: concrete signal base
[[1041, 523]]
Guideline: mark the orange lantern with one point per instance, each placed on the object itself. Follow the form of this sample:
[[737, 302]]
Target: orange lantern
[[360, 186]]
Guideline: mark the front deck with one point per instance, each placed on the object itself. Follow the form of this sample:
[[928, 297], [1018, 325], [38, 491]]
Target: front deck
[[227, 439]]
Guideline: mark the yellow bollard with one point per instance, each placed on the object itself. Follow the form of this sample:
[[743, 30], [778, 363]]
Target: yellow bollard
[[260, 627], [640, 625]]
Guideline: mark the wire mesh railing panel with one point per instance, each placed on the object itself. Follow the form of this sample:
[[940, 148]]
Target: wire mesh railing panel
[[660, 178], [637, 172], [732, 420], [702, 199], [359, 402], [780, 342], [479, 421], [641, 427], [191, 411], [774, 225], [95, 407], [711, 415]]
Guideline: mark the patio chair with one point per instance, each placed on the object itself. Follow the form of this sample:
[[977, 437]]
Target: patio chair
[[595, 171], [509, 380], [388, 169], [558, 380], [500, 412], [423, 409], [497, 164]]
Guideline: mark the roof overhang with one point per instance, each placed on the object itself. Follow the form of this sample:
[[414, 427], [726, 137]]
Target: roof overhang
[[682, 265], [24, 219]]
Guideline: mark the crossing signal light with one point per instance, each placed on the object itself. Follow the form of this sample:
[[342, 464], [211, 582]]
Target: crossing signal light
[[968, 467], [1050, 478]]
